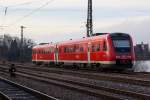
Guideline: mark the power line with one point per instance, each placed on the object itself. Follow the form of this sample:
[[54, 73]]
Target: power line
[[27, 15], [8, 6], [20, 4], [3, 18]]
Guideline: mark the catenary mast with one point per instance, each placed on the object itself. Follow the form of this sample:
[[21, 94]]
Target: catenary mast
[[89, 24]]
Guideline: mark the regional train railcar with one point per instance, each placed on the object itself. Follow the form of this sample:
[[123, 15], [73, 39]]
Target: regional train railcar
[[83, 51], [105, 50], [43, 54], [113, 50]]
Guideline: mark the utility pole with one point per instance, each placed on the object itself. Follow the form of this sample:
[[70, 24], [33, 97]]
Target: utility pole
[[21, 44], [89, 24]]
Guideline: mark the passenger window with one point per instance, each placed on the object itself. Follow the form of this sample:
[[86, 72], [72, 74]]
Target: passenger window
[[65, 49], [98, 47], [104, 46], [93, 48], [81, 49]]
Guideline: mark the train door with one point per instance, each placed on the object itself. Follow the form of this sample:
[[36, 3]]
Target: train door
[[36, 54], [88, 52], [56, 55]]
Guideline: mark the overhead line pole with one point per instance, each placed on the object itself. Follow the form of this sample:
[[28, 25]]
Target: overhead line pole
[[21, 44], [89, 24]]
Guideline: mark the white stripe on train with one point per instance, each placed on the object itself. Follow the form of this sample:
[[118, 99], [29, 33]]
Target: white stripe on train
[[74, 61]]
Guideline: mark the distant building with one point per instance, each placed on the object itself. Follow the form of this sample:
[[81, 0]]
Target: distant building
[[142, 51]]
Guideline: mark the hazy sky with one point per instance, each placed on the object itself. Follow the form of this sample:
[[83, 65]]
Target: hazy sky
[[58, 20]]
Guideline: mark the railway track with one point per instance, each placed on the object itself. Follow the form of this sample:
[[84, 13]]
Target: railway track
[[86, 90], [121, 94], [136, 78], [13, 91], [100, 91]]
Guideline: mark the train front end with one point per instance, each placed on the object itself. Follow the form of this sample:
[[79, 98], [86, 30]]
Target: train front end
[[122, 50]]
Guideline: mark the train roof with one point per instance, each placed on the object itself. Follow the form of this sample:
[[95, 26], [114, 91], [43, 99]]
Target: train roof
[[84, 39], [43, 46]]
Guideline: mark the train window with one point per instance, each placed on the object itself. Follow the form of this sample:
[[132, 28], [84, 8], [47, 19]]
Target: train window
[[93, 48], [98, 47], [104, 46], [65, 49], [81, 49], [45, 52], [74, 48], [70, 49]]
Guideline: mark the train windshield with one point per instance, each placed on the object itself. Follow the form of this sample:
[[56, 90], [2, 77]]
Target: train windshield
[[121, 43]]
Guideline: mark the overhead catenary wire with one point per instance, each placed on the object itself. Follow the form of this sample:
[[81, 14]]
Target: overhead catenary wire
[[3, 20], [20, 4], [29, 14], [10, 6]]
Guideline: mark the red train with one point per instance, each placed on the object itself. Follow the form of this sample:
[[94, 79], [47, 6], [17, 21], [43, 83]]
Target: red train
[[104, 50]]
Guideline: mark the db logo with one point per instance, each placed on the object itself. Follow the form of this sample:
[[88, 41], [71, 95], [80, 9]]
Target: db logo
[[77, 56]]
